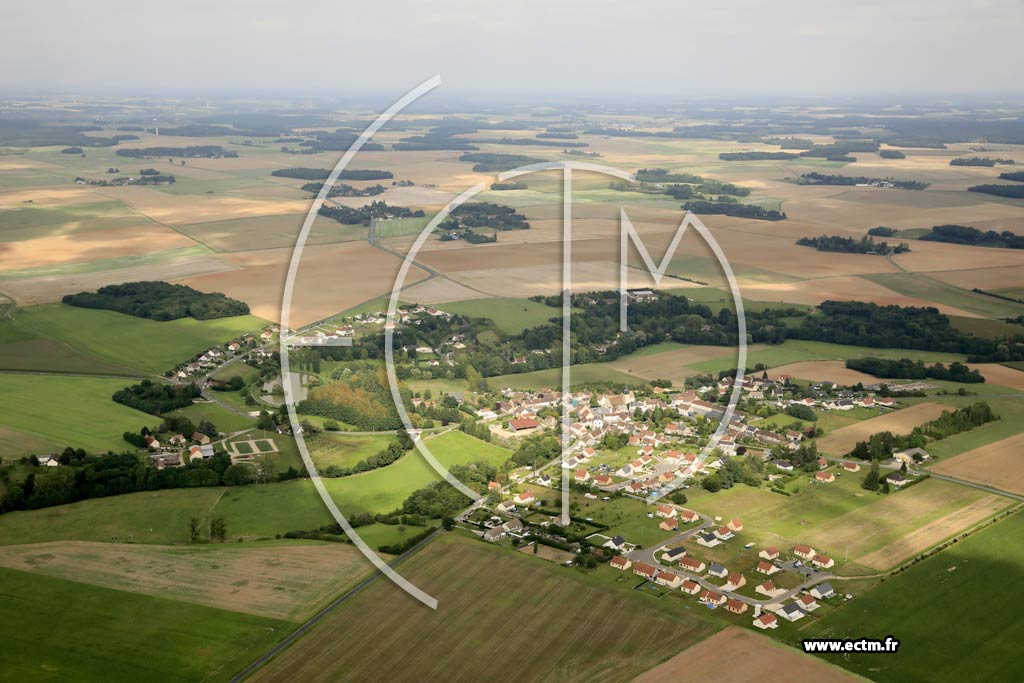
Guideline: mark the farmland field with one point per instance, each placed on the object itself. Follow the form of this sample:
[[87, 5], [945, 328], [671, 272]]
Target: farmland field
[[552, 378], [914, 606], [496, 595], [842, 441], [998, 464], [281, 580], [512, 316], [146, 345], [88, 418]]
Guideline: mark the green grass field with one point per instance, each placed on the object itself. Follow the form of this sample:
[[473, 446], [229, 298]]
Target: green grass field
[[68, 411], [552, 377], [921, 286], [23, 350], [145, 345], [794, 351], [950, 613], [344, 451], [225, 420], [59, 630], [511, 316]]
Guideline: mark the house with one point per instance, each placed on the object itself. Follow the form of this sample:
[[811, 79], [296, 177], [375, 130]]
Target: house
[[666, 511], [911, 456], [48, 461], [791, 612], [163, 460], [177, 440], [669, 525], [582, 475], [736, 525], [673, 554], [616, 543], [717, 570], [712, 598], [603, 480], [200, 438], [708, 540], [807, 603], [767, 588], [824, 477], [523, 425], [784, 465], [645, 570], [688, 516], [668, 579], [724, 533], [493, 486], [822, 463], [886, 402], [766, 621], [897, 479], [804, 552], [851, 467], [151, 441], [544, 480], [734, 581], [823, 591], [769, 553], [735, 606], [624, 471], [524, 498], [621, 563], [494, 533], [766, 568], [822, 561], [692, 564], [691, 587]]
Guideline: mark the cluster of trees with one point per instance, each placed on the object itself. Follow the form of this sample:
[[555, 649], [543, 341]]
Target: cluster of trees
[[881, 445], [322, 174], [905, 368], [495, 163], [1017, 176], [510, 185], [72, 150], [344, 190], [663, 175], [190, 152], [159, 301], [815, 178], [84, 476], [391, 453], [960, 234], [536, 450], [801, 412], [440, 499], [1011, 191], [747, 470], [882, 231], [892, 154], [346, 215], [978, 161], [733, 208], [485, 215], [850, 245], [338, 141], [157, 398], [124, 180], [359, 396]]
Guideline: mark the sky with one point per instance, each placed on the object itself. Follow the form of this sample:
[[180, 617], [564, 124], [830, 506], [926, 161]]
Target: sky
[[599, 47]]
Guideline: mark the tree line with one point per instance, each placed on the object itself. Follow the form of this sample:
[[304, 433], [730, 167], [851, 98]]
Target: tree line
[[850, 245], [906, 368]]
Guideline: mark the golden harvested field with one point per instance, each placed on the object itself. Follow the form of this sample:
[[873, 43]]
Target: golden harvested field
[[287, 582], [999, 464], [934, 532], [823, 370], [737, 655], [169, 208], [983, 278], [902, 421], [90, 246], [48, 196], [438, 291], [1001, 375], [497, 611], [331, 278], [929, 256]]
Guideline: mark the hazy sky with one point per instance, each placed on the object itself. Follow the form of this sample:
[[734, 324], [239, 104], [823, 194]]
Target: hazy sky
[[673, 48]]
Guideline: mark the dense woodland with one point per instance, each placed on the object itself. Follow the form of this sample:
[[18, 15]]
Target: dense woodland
[[1010, 191], [891, 154], [157, 398], [495, 163], [978, 161], [851, 245], [1017, 176], [960, 234], [363, 215], [815, 178], [906, 368], [161, 301], [733, 208]]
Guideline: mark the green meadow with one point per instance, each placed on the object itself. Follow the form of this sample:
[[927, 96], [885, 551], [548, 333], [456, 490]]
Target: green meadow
[[552, 378], [145, 345], [511, 316], [69, 411], [59, 630]]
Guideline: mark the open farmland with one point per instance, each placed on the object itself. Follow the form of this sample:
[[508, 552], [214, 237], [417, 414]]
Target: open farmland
[[108, 634], [737, 655], [147, 345], [999, 464], [823, 371], [497, 595], [78, 411], [902, 421], [511, 316], [289, 580], [916, 605]]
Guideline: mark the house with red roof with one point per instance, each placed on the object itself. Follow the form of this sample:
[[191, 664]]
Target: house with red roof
[[802, 551], [619, 562], [768, 589], [669, 525], [822, 561], [668, 579], [735, 606], [666, 511], [688, 516], [766, 568], [734, 581], [807, 603], [851, 467], [524, 498], [824, 477], [690, 587], [523, 425], [692, 564], [582, 475], [712, 598], [769, 553], [736, 525], [766, 621], [645, 570]]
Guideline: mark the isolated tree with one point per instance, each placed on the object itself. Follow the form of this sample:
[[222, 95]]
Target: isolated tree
[[193, 530], [870, 482], [218, 528], [448, 522]]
